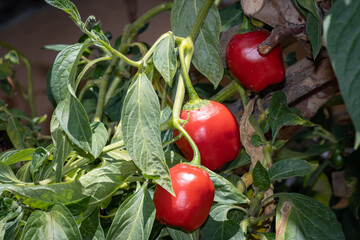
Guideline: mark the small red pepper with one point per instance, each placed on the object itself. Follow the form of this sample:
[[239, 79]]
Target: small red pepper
[[253, 69], [194, 197]]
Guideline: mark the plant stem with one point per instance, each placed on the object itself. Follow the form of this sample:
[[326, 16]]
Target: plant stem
[[196, 159], [241, 209], [116, 81], [226, 92], [186, 52], [80, 162], [89, 65], [164, 96], [88, 85], [255, 202], [167, 143], [179, 98], [102, 92], [248, 222], [242, 92], [152, 49], [113, 146], [200, 19]]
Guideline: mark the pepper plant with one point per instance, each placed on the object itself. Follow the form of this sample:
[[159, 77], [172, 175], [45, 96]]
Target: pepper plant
[[122, 115]]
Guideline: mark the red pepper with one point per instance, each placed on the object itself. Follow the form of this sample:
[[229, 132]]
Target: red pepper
[[194, 198], [215, 132], [253, 69]]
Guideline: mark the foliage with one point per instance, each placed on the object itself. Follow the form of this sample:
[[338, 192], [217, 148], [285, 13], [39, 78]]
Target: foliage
[[112, 137]]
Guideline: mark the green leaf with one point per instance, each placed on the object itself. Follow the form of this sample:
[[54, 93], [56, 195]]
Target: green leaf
[[261, 177], [322, 190], [74, 121], [7, 175], [134, 218], [313, 30], [99, 138], [40, 156], [242, 160], [225, 191], [64, 70], [177, 234], [231, 16], [43, 196], [206, 57], [165, 59], [12, 228], [15, 156], [289, 168], [140, 119], [342, 36], [101, 183], [313, 23], [310, 6], [256, 140], [56, 224], [62, 147], [281, 115], [16, 132], [301, 217], [218, 226], [67, 6], [88, 228], [5, 70]]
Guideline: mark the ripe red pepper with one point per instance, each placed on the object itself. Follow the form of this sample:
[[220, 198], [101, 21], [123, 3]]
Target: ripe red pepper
[[253, 69], [194, 197], [215, 132]]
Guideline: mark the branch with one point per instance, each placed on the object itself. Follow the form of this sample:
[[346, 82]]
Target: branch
[[279, 34]]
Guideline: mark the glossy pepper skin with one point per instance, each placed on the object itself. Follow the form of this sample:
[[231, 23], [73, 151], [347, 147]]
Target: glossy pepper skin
[[215, 132], [194, 197], [253, 69]]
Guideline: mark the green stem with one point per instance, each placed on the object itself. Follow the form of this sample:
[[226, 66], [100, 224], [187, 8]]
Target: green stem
[[87, 86], [242, 92], [267, 150], [226, 92], [257, 128], [89, 65], [167, 143], [325, 134], [186, 52], [117, 79], [27, 64], [263, 116], [77, 164], [115, 52], [179, 98], [102, 92], [152, 49], [113, 146], [200, 19], [255, 202], [241, 209], [164, 96], [248, 222], [196, 159]]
